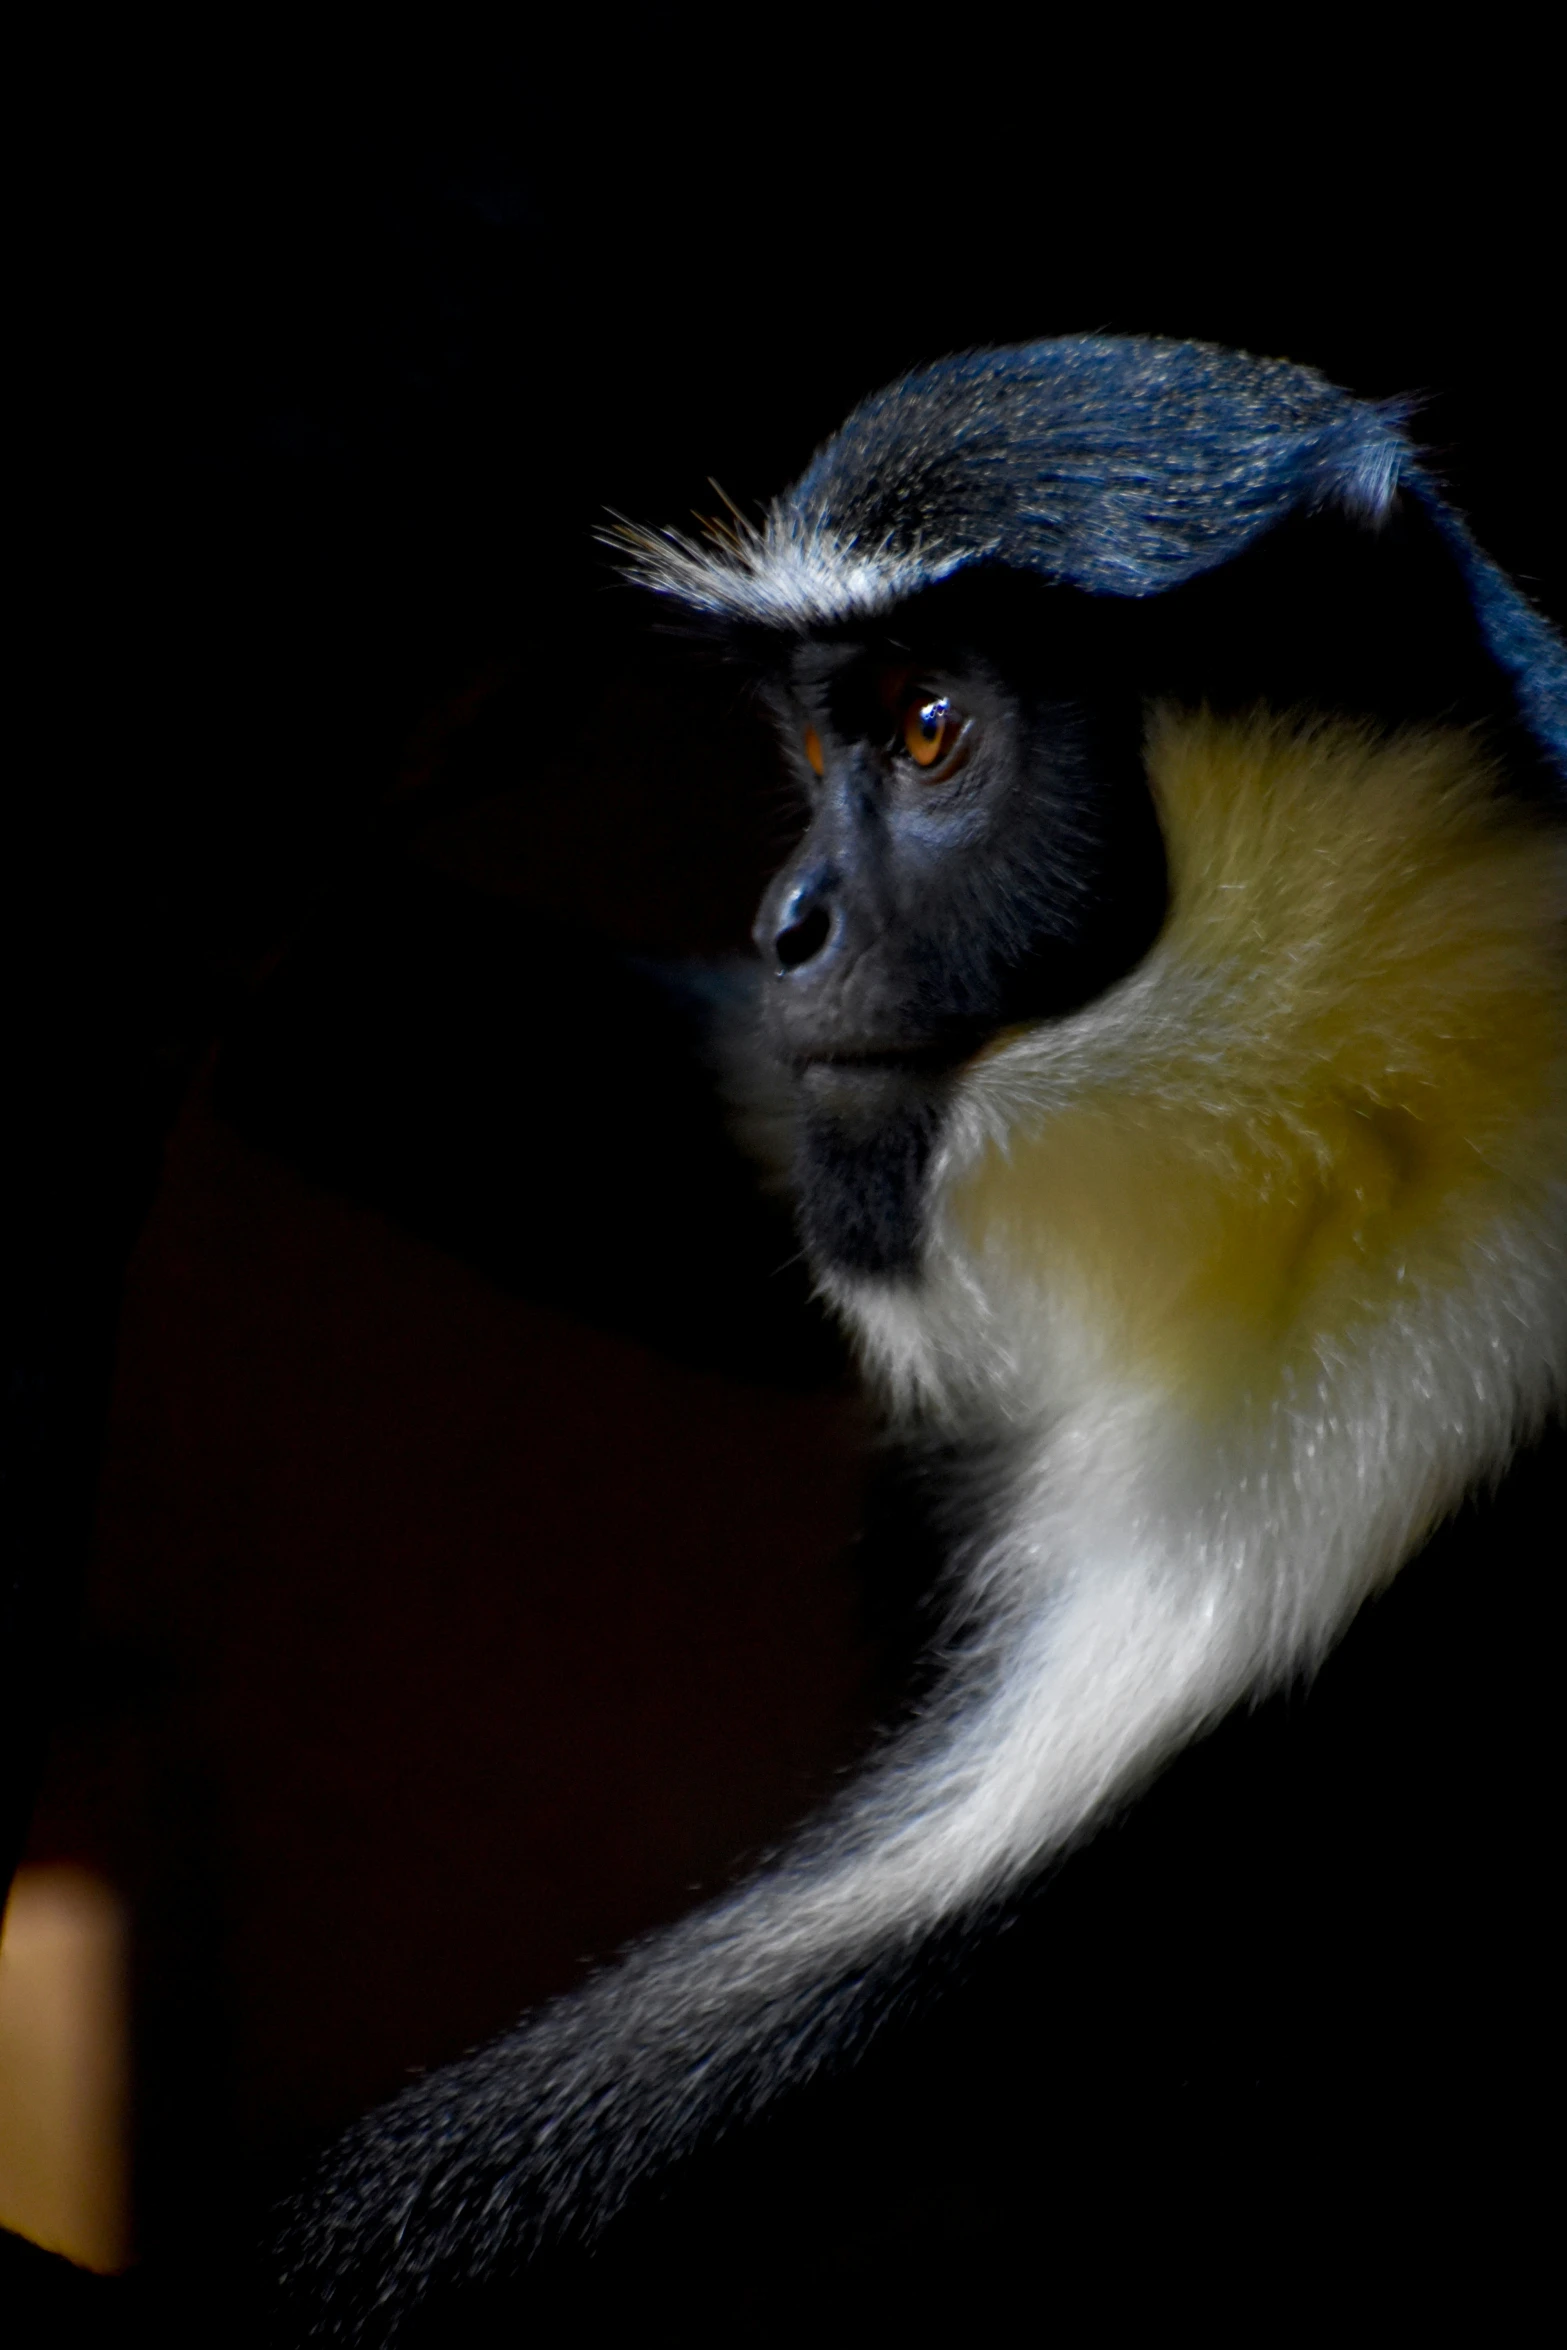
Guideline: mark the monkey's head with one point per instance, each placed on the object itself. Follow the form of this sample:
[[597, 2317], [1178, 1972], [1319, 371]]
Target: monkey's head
[[962, 617], [979, 851]]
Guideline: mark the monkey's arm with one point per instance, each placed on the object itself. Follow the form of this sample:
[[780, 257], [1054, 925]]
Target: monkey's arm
[[1078, 1686]]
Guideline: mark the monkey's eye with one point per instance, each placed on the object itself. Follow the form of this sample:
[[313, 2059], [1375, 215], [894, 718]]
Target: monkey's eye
[[813, 751], [932, 731]]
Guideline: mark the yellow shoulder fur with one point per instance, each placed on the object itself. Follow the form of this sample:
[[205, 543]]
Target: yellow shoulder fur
[[1342, 1068]]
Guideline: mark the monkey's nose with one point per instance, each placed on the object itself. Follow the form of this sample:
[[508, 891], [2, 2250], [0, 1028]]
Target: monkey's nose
[[803, 936], [799, 919]]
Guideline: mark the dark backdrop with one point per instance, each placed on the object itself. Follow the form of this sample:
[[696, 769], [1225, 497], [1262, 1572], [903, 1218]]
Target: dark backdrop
[[473, 1569]]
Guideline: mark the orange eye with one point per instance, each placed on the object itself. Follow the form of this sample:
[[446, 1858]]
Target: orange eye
[[929, 731], [813, 751]]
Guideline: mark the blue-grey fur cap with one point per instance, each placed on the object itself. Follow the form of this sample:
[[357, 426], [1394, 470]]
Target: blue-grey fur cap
[[1120, 466]]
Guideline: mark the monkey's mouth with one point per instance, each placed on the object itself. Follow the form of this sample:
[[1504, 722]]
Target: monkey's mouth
[[932, 1054], [869, 1057], [876, 1082]]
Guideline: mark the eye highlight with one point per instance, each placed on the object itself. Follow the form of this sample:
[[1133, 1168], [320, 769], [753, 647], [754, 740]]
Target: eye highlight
[[931, 730], [813, 752]]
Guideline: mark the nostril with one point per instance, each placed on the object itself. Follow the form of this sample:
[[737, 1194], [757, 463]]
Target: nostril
[[800, 942]]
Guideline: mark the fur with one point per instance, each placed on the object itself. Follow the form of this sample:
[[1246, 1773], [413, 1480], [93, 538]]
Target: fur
[[1258, 1261], [1238, 1273], [1282, 1219], [1122, 466]]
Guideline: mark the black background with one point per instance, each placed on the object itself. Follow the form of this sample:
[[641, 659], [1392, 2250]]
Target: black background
[[355, 747]]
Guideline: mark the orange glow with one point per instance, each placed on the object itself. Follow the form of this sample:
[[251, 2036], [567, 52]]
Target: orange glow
[[64, 2070]]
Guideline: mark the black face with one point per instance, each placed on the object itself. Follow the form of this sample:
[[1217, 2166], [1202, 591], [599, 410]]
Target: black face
[[981, 850]]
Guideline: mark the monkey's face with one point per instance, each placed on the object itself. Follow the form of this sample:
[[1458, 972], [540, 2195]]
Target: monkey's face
[[980, 850]]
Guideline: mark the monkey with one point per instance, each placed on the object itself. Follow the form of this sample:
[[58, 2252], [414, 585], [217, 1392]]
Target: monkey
[[1160, 1023]]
